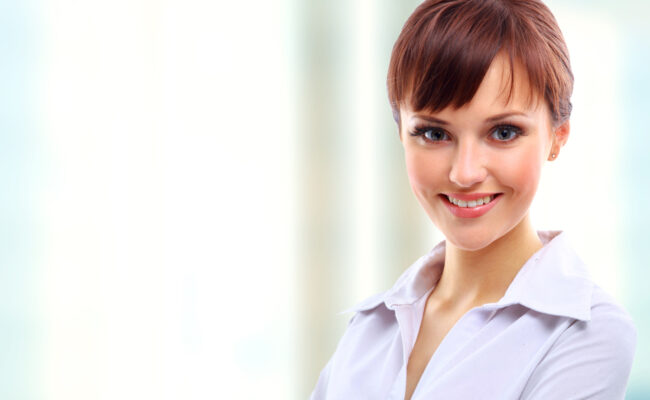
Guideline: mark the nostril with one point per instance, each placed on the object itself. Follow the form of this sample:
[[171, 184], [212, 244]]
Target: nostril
[[467, 176]]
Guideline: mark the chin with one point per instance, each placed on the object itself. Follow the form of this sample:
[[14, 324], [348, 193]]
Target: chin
[[470, 244], [471, 239]]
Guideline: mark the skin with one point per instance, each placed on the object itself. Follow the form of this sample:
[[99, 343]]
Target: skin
[[465, 155]]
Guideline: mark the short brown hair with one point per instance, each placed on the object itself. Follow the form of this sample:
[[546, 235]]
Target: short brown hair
[[446, 47]]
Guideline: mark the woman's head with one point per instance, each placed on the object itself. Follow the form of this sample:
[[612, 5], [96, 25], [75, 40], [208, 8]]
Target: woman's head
[[479, 113], [446, 47]]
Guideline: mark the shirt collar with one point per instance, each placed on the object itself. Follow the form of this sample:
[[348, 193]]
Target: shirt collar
[[553, 281]]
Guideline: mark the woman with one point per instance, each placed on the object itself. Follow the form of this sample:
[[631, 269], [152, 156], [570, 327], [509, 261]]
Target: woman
[[480, 90]]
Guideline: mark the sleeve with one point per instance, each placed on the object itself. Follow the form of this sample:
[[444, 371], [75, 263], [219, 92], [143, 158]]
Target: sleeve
[[320, 391], [590, 360]]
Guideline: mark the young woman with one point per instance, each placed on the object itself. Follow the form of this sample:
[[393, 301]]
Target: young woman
[[480, 90]]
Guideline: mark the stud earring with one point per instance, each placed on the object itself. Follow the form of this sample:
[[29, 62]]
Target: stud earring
[[553, 155]]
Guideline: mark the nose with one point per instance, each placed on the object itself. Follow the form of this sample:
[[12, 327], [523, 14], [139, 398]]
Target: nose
[[468, 165]]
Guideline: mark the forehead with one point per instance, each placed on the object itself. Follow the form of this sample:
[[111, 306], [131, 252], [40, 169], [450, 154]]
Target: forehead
[[507, 83]]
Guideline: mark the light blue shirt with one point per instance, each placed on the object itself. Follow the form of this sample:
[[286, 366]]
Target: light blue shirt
[[553, 335]]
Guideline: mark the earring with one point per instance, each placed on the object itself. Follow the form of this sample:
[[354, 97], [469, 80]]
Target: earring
[[553, 155]]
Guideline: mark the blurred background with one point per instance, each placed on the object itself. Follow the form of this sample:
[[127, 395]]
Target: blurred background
[[191, 191]]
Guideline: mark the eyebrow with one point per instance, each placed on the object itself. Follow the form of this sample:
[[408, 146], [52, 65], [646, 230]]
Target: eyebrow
[[494, 118], [499, 117], [431, 119]]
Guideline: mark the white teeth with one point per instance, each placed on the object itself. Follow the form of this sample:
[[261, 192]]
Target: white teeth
[[471, 203]]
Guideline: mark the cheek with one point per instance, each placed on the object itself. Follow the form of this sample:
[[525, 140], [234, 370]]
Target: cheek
[[521, 171], [423, 171]]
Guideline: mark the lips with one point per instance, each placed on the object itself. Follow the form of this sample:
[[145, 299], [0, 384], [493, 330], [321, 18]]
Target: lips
[[470, 212]]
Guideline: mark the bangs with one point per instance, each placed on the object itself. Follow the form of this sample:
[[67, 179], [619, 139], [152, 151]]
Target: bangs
[[446, 48]]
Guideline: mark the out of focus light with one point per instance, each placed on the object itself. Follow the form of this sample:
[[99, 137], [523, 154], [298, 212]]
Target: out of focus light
[[168, 268]]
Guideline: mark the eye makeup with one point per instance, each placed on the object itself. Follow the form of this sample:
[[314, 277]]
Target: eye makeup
[[435, 134]]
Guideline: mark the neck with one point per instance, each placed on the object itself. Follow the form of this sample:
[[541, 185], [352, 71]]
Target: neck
[[473, 278]]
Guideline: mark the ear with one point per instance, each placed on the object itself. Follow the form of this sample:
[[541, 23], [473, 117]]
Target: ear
[[560, 137], [562, 133]]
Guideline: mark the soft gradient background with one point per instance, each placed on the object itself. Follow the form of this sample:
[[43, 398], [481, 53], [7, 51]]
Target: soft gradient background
[[191, 190]]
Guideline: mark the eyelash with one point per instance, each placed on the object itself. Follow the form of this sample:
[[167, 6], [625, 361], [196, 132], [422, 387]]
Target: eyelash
[[421, 130]]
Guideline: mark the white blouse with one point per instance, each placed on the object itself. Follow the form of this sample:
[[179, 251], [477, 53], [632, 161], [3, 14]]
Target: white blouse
[[553, 335]]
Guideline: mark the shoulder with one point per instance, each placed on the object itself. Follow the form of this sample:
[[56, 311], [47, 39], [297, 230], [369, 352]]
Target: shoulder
[[591, 358], [604, 306], [368, 341], [367, 304], [369, 316], [610, 328], [610, 332]]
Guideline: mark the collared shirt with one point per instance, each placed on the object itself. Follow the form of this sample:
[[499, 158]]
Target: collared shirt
[[553, 335]]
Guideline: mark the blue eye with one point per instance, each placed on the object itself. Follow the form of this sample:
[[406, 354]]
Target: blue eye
[[430, 134], [506, 133]]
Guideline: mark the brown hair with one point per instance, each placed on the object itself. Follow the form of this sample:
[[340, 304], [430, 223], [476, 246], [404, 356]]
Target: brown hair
[[446, 47]]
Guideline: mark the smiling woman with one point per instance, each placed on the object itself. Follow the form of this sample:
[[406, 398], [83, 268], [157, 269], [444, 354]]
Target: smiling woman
[[481, 94], [496, 144]]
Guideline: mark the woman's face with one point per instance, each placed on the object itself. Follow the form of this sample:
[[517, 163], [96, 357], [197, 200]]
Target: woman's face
[[489, 147]]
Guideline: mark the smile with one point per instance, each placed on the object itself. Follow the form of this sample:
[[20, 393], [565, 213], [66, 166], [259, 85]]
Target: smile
[[471, 203], [471, 206]]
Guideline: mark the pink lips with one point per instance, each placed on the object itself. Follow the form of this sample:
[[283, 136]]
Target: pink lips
[[466, 212]]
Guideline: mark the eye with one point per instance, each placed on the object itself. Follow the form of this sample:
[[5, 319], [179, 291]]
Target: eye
[[430, 133], [506, 133]]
